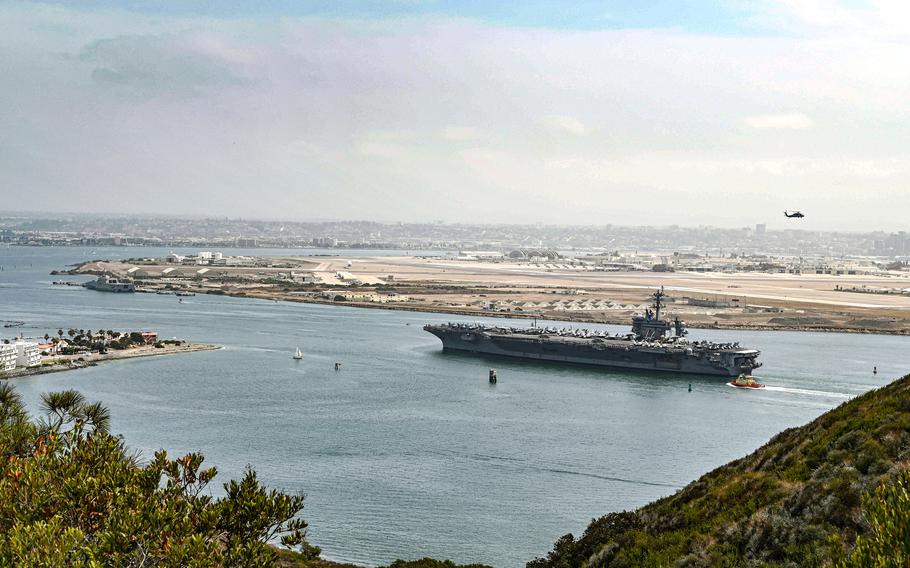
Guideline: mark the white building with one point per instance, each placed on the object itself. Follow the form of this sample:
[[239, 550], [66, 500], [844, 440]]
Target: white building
[[303, 277], [27, 353], [8, 355], [240, 261], [480, 255]]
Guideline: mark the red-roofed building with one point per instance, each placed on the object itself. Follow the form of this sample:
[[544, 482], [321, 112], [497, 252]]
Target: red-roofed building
[[53, 347], [150, 337]]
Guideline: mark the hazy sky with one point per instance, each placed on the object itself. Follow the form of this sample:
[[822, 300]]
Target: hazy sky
[[687, 112]]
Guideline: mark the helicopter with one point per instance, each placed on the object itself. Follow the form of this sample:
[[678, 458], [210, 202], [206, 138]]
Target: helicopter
[[794, 215]]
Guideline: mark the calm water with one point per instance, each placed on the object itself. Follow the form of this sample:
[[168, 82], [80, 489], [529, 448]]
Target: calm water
[[407, 452]]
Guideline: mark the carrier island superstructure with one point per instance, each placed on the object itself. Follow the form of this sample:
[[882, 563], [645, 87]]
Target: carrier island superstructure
[[654, 344]]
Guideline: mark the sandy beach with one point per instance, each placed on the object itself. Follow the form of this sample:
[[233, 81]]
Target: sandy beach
[[56, 364]]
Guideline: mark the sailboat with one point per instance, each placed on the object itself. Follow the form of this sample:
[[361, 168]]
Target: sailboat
[[298, 354]]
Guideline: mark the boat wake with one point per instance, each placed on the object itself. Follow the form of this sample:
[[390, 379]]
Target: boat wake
[[611, 478], [809, 392], [523, 464]]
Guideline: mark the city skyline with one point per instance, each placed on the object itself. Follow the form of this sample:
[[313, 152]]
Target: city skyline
[[188, 231], [721, 114]]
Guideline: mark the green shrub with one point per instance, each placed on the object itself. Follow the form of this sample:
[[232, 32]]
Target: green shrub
[[431, 563], [71, 494], [871, 452], [888, 513]]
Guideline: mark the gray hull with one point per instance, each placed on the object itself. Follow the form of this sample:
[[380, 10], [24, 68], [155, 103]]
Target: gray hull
[[107, 284], [611, 353]]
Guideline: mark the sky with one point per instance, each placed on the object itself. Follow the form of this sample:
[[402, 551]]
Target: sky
[[723, 112]]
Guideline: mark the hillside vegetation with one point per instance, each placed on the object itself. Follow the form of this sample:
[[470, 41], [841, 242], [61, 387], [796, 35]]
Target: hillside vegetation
[[832, 492]]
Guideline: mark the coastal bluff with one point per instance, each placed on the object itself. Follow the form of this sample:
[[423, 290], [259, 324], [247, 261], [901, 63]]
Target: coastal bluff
[[802, 499]]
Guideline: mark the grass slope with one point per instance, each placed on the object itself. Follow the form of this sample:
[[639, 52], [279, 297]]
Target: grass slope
[[799, 500]]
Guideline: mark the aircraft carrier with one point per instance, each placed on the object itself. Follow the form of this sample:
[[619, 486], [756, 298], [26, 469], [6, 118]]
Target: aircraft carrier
[[654, 344]]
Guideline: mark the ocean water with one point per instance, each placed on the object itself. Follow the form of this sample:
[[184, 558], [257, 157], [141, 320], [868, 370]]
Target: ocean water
[[408, 452]]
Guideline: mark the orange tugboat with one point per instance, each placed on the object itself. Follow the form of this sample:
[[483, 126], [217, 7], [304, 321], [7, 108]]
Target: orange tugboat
[[746, 382]]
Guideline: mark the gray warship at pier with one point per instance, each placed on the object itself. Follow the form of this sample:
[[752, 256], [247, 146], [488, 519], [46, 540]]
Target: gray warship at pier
[[654, 344], [111, 284]]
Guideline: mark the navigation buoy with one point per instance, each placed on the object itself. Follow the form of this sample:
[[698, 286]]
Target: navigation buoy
[[875, 370], [690, 387]]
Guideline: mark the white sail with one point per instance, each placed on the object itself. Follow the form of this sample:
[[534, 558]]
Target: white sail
[[298, 354]]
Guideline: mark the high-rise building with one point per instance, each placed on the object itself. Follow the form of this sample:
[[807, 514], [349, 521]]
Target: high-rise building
[[27, 353], [8, 355]]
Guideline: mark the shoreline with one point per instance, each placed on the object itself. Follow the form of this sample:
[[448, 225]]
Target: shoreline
[[68, 362], [619, 320], [741, 301]]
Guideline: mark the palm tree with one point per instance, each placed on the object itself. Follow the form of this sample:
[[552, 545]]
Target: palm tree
[[70, 407], [60, 333], [71, 332], [47, 337]]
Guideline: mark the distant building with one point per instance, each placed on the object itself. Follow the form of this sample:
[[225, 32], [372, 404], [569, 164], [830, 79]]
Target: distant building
[[708, 303], [240, 261], [326, 242], [150, 337], [534, 254], [479, 255], [760, 229], [364, 296], [8, 356], [898, 243], [27, 353], [242, 242], [49, 347]]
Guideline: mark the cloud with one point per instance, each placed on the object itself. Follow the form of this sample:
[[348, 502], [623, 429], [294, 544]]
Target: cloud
[[565, 124], [883, 19], [444, 118], [463, 133], [152, 65], [385, 144], [785, 121]]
